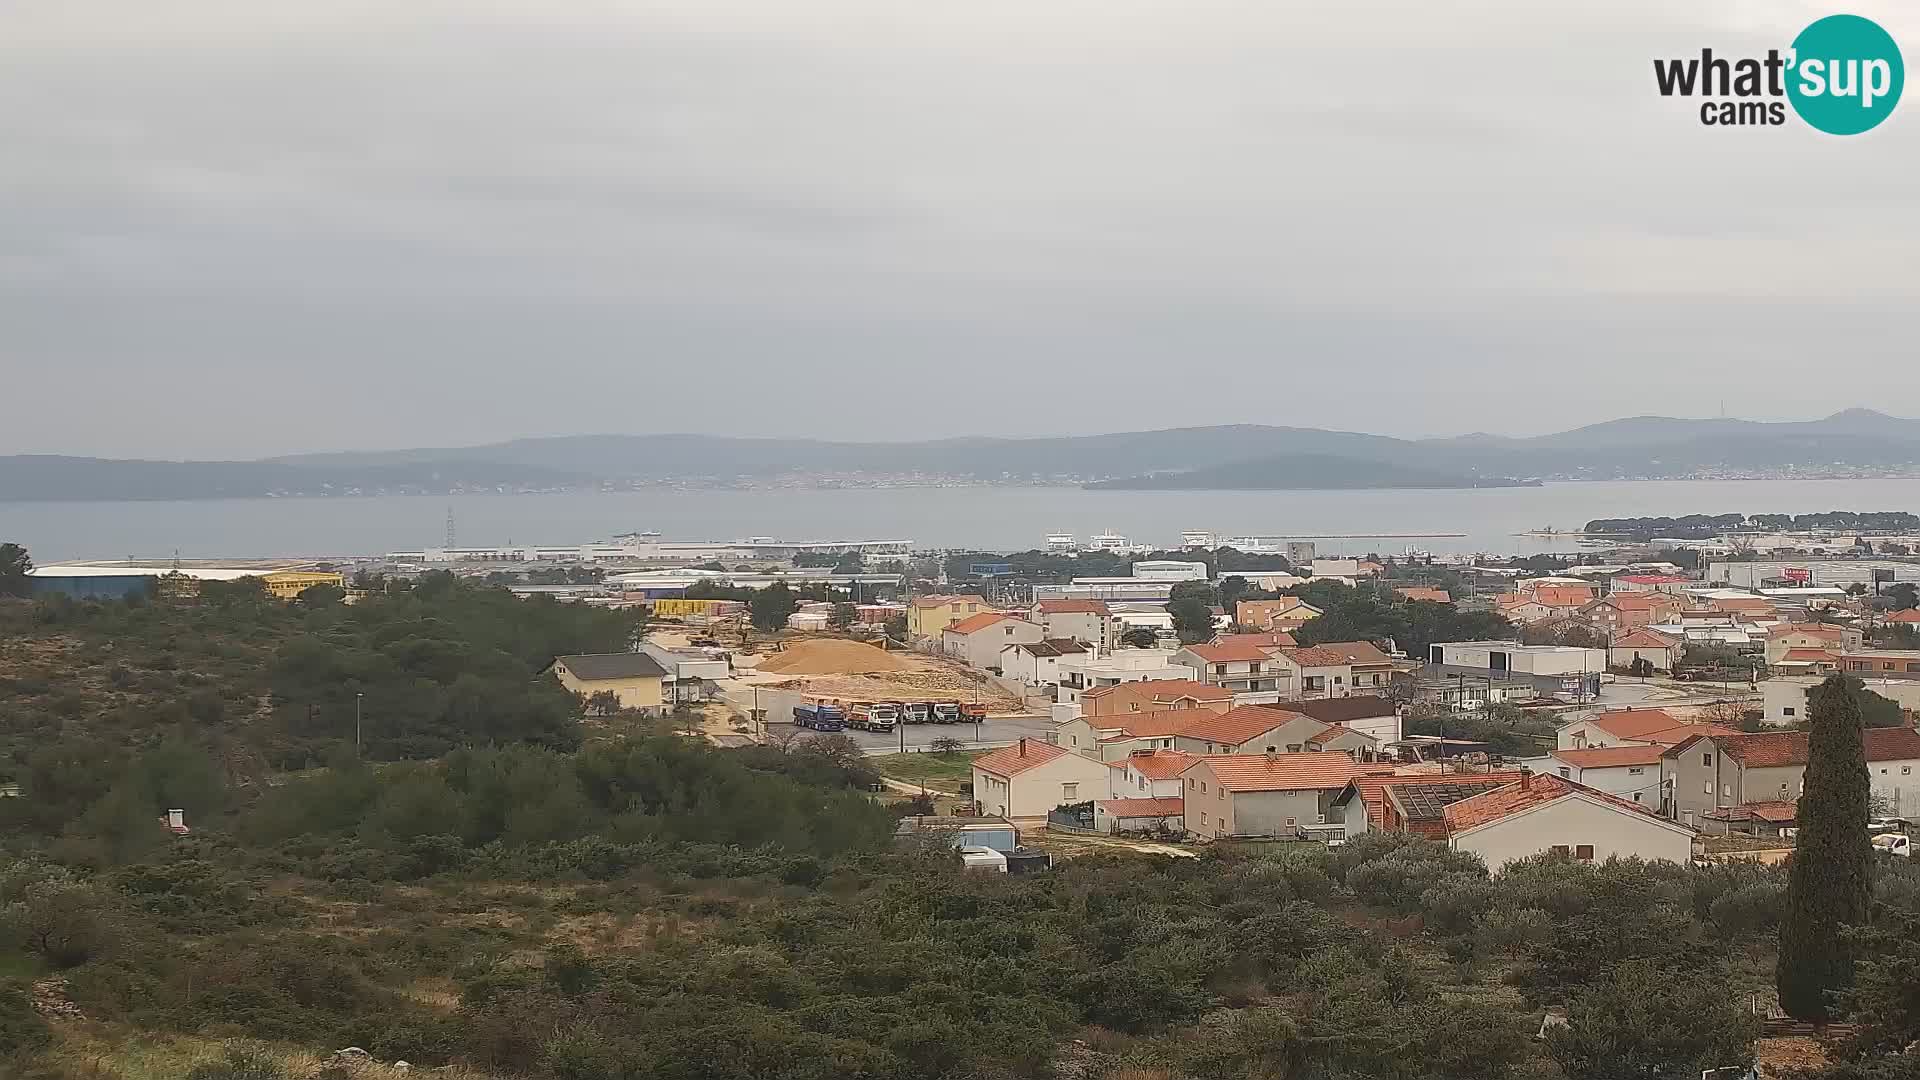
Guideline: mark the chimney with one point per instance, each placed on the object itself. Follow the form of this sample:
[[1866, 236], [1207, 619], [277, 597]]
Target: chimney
[[1526, 779], [1023, 746]]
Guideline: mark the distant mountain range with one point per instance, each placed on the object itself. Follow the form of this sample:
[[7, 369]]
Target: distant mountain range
[[1239, 456]]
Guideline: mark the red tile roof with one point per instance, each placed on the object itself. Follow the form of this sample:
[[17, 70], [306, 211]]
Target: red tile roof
[[1641, 601], [1607, 757], [1230, 654], [1051, 647], [1653, 579], [1375, 790], [974, 623], [1653, 726], [1153, 723], [1777, 749], [1072, 607], [1159, 764], [1013, 760], [1808, 629], [1274, 640], [1562, 595], [1909, 616], [1236, 726], [1165, 806], [1525, 794], [1336, 653], [1644, 639], [938, 600], [1164, 690], [1282, 772], [1812, 656], [1413, 592]]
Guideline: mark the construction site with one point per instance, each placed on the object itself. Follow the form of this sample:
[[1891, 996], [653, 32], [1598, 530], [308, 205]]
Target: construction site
[[853, 671]]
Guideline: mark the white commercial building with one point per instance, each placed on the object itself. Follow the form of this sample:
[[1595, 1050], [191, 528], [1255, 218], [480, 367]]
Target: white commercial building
[[1169, 570], [1520, 659]]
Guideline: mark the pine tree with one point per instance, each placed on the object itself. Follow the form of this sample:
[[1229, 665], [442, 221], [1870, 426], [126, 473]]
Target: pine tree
[[1827, 884]]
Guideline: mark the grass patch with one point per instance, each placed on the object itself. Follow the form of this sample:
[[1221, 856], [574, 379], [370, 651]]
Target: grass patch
[[940, 772]]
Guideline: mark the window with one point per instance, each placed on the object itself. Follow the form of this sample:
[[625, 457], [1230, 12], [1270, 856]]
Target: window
[[1788, 711], [1219, 669], [1203, 817], [1293, 748], [1726, 791], [1636, 796], [1560, 849], [1566, 772], [1336, 680], [1706, 788], [1906, 770], [1635, 770], [1191, 784], [1584, 852], [1273, 749], [1706, 760]]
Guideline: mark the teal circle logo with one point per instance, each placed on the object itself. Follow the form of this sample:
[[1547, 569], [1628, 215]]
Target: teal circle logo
[[1845, 75]]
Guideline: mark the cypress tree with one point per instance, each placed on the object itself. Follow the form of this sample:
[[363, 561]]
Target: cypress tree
[[1827, 883]]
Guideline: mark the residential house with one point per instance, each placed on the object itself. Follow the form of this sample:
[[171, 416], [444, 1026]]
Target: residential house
[[1801, 662], [1719, 771], [929, 616], [1411, 804], [1540, 814], [1112, 738], [1748, 606], [1338, 668], [1556, 670], [1909, 617], [1090, 622], [1671, 584], [1148, 774], [1265, 794], [1369, 714], [1031, 777], [1087, 671], [978, 639], [1621, 612], [1628, 649], [1256, 729], [1245, 669], [1161, 815], [1632, 727], [635, 679], [1633, 772], [1268, 639], [1523, 609], [1784, 700], [1153, 694], [1881, 663], [1422, 593], [1037, 663], [1286, 613], [1824, 637]]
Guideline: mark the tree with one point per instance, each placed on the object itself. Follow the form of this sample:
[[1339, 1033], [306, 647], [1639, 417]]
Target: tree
[[842, 616], [1651, 1023], [897, 627], [1827, 885], [946, 746], [1641, 667], [1192, 620], [1140, 637], [770, 607], [1904, 594], [14, 565]]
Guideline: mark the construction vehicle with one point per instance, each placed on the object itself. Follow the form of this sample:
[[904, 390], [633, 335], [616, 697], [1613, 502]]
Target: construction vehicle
[[819, 715], [916, 712], [946, 712], [874, 716], [973, 712]]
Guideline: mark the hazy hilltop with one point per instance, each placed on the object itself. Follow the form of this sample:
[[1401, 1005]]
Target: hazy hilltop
[[1247, 456]]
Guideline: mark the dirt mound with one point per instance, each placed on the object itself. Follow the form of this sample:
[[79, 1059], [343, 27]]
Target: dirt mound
[[829, 656]]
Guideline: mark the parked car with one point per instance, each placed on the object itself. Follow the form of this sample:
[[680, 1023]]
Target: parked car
[[1894, 844]]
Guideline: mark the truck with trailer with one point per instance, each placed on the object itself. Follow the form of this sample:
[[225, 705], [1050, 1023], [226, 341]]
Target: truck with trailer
[[946, 712], [819, 715], [916, 712], [874, 716]]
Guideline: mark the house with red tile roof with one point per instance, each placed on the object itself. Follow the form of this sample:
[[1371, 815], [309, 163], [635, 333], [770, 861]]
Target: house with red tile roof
[[1881, 663], [1112, 738], [1240, 666], [1717, 772], [1806, 662], [1627, 611], [1825, 637], [1337, 669], [1549, 814], [1037, 663], [1267, 794], [1145, 774], [1632, 727], [1031, 777], [1627, 649], [1909, 617], [1268, 729], [1411, 804], [1413, 593], [1672, 584], [1634, 771], [1089, 622], [928, 615], [1286, 613], [978, 639], [1270, 639], [1157, 815], [1148, 695]]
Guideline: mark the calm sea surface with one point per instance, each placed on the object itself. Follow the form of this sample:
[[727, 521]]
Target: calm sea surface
[[1009, 518]]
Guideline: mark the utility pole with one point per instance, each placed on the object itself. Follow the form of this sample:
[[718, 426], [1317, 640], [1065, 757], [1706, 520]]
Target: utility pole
[[358, 698]]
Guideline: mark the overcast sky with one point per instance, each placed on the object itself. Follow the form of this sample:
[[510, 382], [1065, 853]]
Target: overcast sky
[[243, 229]]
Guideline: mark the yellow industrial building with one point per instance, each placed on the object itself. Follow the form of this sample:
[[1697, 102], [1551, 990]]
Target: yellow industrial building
[[289, 584], [634, 679]]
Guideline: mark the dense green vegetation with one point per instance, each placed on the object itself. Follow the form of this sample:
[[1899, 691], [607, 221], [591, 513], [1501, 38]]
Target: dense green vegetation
[[528, 900], [1353, 614]]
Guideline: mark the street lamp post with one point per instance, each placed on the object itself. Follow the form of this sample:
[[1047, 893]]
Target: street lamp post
[[358, 698]]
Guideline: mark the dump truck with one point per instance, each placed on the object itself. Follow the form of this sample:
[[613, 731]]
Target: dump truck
[[946, 712], [916, 712], [819, 715], [877, 716]]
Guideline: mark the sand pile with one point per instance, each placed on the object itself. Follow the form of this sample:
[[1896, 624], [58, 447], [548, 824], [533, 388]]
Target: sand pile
[[831, 656]]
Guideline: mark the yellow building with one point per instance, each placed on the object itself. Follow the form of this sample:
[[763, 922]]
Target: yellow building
[[679, 607], [929, 616], [289, 584], [634, 679]]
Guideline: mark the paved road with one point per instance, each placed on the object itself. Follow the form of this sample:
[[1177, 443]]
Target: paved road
[[997, 731]]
